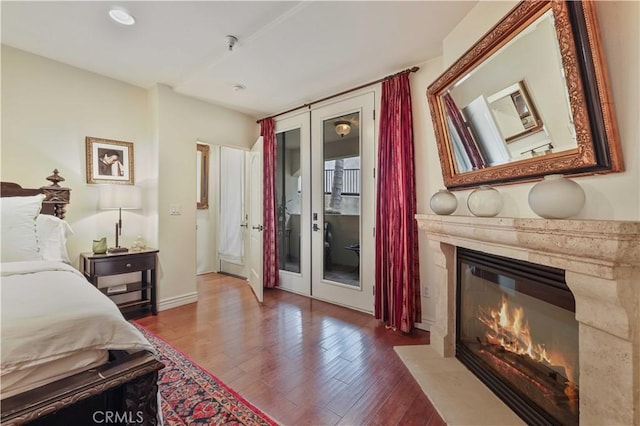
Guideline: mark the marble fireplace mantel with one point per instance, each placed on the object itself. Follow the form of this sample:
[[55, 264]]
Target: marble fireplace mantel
[[602, 264]]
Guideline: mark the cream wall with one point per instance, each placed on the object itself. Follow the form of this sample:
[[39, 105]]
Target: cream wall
[[182, 121], [48, 108], [614, 196]]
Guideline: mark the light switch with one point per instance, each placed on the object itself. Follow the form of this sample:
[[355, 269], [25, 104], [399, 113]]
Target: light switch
[[175, 209]]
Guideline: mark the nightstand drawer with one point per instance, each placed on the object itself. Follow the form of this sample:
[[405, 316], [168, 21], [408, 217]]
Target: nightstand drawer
[[124, 265]]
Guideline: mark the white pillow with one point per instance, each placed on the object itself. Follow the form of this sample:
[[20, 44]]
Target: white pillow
[[52, 235], [18, 226]]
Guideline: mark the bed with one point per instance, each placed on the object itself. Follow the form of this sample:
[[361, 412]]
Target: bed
[[68, 355]]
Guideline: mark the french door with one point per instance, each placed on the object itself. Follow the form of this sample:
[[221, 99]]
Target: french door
[[342, 202], [325, 202], [293, 202]]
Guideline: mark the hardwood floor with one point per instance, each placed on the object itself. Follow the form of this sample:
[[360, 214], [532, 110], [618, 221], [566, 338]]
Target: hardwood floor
[[302, 361]]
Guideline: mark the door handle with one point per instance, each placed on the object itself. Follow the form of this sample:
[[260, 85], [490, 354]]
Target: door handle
[[259, 227], [315, 227], [244, 225]]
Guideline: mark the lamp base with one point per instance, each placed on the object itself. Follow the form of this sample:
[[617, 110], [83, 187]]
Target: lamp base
[[118, 250]]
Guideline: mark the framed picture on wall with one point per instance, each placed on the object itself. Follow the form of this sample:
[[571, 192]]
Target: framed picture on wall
[[109, 161]]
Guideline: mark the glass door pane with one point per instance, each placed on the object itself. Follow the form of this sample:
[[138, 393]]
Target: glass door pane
[[288, 199], [341, 177]]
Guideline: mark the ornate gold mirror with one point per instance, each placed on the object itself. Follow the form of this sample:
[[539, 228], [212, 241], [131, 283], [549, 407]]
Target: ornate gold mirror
[[529, 99]]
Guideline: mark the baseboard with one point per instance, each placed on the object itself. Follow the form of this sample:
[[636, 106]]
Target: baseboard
[[425, 324], [229, 274], [233, 269], [174, 302]]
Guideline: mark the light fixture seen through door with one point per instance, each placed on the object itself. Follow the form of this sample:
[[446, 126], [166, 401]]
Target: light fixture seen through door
[[342, 128]]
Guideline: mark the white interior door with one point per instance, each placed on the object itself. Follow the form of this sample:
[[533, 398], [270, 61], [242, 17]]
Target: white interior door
[[343, 204], [293, 201], [254, 178]]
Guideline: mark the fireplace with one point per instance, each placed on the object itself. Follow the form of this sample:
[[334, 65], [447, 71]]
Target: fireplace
[[517, 332], [601, 264]]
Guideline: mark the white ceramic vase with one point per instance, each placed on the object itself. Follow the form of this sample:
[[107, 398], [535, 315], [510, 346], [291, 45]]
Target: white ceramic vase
[[443, 202], [556, 197], [485, 201]]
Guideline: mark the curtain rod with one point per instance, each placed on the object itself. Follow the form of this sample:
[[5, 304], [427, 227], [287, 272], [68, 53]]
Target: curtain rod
[[371, 83]]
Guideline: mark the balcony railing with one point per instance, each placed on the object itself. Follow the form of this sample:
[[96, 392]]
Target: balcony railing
[[350, 181]]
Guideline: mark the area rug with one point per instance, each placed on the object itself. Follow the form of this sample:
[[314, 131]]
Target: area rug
[[192, 395]]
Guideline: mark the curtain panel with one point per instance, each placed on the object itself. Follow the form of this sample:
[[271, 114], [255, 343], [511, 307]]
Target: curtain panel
[[397, 291], [270, 268]]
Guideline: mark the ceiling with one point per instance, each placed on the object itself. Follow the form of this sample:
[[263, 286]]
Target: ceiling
[[289, 53]]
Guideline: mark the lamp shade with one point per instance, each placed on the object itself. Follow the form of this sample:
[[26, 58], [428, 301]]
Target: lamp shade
[[126, 197]]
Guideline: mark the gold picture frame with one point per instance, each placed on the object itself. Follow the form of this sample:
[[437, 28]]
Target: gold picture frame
[[109, 161], [202, 170]]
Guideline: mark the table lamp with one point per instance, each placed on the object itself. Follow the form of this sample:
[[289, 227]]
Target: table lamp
[[120, 197]]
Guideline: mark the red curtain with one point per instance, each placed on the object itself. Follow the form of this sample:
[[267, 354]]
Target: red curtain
[[397, 295], [270, 267]]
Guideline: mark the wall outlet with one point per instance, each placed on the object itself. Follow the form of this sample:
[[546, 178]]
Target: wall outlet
[[175, 209], [425, 292]]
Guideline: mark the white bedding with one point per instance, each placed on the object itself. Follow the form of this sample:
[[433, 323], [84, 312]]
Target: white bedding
[[49, 311], [19, 381]]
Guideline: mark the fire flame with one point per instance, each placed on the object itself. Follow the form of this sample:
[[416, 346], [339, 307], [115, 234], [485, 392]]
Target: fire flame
[[510, 330]]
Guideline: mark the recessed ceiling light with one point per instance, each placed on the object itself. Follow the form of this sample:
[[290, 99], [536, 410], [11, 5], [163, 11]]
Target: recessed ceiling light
[[121, 16]]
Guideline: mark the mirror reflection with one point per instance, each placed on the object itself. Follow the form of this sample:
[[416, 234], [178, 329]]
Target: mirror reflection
[[530, 98], [514, 112], [508, 108]]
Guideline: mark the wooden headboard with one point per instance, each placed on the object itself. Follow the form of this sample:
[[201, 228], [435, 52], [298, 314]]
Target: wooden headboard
[[56, 199]]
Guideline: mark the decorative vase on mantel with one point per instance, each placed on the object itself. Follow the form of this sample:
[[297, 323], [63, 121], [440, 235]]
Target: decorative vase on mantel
[[485, 201], [443, 202], [556, 197]]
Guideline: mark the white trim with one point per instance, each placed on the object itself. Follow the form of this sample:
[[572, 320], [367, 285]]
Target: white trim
[[226, 145], [174, 302], [234, 268], [372, 88], [425, 325]]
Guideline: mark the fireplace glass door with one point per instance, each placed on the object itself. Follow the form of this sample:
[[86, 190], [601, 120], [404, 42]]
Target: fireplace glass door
[[517, 332]]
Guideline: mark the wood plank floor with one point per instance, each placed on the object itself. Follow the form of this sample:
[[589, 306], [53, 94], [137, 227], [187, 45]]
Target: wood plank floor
[[302, 361]]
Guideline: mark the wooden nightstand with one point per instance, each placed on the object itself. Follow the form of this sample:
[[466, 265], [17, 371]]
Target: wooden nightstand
[[94, 266]]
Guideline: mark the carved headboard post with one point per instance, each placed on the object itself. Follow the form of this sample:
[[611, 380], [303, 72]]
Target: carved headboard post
[[56, 197]]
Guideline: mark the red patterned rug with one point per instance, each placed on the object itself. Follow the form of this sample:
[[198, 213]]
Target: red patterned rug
[[192, 395]]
